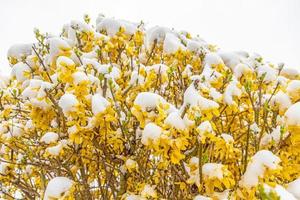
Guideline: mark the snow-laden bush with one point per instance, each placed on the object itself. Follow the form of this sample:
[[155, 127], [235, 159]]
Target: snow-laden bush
[[116, 110]]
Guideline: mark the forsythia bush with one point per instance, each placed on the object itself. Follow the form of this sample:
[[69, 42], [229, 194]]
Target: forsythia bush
[[118, 111]]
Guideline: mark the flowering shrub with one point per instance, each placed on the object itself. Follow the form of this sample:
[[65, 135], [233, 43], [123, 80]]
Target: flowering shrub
[[118, 111]]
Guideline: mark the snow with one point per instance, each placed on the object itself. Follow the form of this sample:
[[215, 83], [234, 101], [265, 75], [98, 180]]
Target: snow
[[55, 150], [19, 50], [112, 26], [28, 169], [53, 78], [130, 164], [205, 127], [57, 188], [280, 191], [172, 44], [254, 127], [174, 120], [294, 188], [44, 85], [3, 150], [217, 96], [79, 77], [193, 98], [282, 81], [230, 91], [222, 195], [72, 129], [231, 59], [111, 70], [151, 132], [67, 103], [187, 121], [115, 73], [213, 170], [201, 197], [149, 100], [54, 123], [282, 100], [195, 46], [132, 197], [187, 71], [136, 78], [63, 61], [155, 33], [292, 115], [99, 36], [3, 127], [209, 75], [256, 167], [283, 193], [273, 136], [99, 104], [70, 29], [43, 104], [228, 138], [158, 68], [19, 70], [193, 170], [290, 73], [16, 130], [36, 88], [3, 167], [31, 60], [29, 92], [280, 120], [89, 61], [293, 88], [148, 191], [58, 46], [270, 73], [243, 54], [81, 26], [93, 79], [212, 59], [4, 80], [241, 70], [49, 137]]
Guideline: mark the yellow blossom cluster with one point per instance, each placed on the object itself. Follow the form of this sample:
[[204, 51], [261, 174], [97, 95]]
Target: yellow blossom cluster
[[117, 110]]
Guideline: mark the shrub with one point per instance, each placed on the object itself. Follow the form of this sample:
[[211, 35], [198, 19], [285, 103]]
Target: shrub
[[118, 111]]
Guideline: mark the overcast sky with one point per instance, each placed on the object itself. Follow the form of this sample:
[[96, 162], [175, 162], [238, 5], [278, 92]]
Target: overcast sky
[[268, 27]]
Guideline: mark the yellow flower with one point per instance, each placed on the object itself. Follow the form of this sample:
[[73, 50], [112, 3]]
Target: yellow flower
[[149, 191]]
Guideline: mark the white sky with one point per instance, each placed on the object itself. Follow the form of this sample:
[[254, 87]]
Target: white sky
[[268, 27]]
